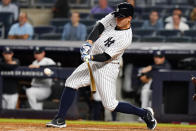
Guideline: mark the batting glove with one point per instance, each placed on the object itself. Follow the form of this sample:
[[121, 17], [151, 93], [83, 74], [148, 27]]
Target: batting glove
[[85, 49], [86, 58]]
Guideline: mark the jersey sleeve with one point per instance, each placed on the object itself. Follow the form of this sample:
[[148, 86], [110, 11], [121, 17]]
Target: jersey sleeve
[[107, 20], [118, 47], [50, 62]]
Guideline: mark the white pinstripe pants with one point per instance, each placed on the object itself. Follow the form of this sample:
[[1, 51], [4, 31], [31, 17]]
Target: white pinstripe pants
[[105, 76]]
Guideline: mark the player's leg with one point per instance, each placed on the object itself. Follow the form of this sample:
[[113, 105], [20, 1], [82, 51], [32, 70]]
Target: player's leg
[[145, 95], [13, 98], [105, 80], [34, 94], [79, 78]]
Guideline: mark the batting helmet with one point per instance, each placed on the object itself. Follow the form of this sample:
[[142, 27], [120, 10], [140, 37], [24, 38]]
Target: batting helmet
[[124, 10]]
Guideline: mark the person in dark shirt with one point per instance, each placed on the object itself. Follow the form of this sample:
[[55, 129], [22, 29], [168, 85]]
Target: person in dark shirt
[[146, 73], [10, 95], [61, 9]]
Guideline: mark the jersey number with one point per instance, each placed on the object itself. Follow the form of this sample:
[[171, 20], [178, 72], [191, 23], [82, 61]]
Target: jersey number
[[109, 41]]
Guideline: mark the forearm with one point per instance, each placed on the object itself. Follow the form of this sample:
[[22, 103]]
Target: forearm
[[26, 36], [96, 32], [101, 57]]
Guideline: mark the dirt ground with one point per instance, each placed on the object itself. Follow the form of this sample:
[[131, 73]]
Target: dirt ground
[[41, 127]]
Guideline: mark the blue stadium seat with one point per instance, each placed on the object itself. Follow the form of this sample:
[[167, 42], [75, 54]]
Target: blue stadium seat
[[190, 33], [168, 33], [145, 16], [191, 24], [88, 22], [136, 24], [98, 16], [59, 29], [143, 32], [178, 39], [136, 38], [50, 36], [89, 29], [59, 22], [43, 29], [62, 22], [84, 15], [153, 39]]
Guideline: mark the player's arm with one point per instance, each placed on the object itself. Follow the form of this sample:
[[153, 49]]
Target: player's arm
[[98, 57], [96, 32]]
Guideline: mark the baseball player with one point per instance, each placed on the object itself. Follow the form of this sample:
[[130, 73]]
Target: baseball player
[[40, 88], [104, 47]]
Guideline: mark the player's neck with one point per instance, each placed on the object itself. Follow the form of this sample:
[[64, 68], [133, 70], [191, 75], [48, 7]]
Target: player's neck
[[123, 28]]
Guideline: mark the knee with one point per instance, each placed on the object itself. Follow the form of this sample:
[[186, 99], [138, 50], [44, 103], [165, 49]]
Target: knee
[[110, 105]]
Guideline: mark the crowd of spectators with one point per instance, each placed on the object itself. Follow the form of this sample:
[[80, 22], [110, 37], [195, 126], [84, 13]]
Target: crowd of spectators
[[76, 23]]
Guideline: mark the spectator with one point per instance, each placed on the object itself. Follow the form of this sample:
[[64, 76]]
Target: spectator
[[10, 93], [146, 74], [7, 6], [40, 87], [61, 9], [193, 15], [175, 12], [154, 22], [74, 30], [177, 24], [102, 8], [21, 30], [132, 2]]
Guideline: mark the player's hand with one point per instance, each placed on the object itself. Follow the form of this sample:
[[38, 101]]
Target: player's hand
[[34, 66], [85, 49], [86, 58], [194, 97]]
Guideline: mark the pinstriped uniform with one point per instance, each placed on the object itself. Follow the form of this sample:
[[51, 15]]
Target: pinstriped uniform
[[113, 42]]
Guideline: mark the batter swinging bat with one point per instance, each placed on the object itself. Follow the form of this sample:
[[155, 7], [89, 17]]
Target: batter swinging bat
[[93, 87]]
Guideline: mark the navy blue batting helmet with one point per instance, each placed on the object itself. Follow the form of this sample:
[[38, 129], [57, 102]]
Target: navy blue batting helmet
[[124, 10]]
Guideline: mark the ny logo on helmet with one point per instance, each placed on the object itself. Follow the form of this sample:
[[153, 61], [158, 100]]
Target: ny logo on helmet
[[109, 41]]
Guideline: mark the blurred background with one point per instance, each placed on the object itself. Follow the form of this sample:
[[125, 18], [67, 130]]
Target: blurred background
[[40, 42]]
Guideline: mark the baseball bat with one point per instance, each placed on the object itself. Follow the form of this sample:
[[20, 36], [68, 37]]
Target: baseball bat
[[93, 86]]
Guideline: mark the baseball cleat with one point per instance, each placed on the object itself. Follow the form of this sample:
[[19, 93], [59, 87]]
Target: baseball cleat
[[56, 123], [149, 119]]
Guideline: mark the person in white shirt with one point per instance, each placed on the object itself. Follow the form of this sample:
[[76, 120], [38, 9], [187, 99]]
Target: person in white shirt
[[40, 87], [177, 24], [176, 11], [7, 6]]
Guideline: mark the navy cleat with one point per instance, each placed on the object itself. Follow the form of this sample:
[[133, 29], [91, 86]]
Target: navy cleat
[[149, 119], [56, 123]]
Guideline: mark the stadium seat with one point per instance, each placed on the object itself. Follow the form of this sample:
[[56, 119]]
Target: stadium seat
[[153, 39], [89, 29], [145, 16], [62, 22], [88, 22], [159, 9], [98, 16], [50, 36], [84, 15], [178, 39], [59, 22], [191, 24], [136, 24], [136, 38], [43, 29], [59, 29], [143, 32], [190, 33], [168, 33]]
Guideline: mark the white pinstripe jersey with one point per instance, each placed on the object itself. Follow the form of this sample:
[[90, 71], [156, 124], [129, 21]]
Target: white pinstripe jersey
[[113, 42]]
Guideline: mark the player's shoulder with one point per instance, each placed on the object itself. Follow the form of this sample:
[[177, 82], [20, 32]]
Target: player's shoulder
[[48, 60]]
